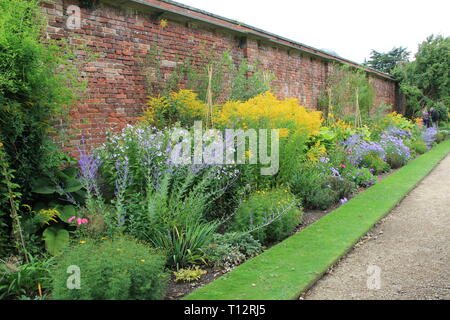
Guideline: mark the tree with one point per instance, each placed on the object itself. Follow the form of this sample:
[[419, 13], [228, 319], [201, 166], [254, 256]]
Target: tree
[[386, 62], [426, 80]]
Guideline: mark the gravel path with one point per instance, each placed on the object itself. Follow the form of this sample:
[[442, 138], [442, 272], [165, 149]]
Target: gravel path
[[406, 256]]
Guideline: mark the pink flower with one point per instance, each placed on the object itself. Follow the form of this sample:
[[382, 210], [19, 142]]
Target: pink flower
[[84, 220], [71, 219], [79, 221]]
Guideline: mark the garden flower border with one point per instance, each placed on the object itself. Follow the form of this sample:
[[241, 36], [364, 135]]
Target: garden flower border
[[291, 267]]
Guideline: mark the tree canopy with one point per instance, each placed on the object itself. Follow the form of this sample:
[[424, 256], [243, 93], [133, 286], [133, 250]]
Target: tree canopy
[[426, 80], [386, 62]]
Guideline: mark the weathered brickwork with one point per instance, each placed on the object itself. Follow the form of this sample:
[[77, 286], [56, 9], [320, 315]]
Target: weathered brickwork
[[385, 91], [120, 37]]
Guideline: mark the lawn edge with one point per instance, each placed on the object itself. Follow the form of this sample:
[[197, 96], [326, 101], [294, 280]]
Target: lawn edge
[[220, 288]]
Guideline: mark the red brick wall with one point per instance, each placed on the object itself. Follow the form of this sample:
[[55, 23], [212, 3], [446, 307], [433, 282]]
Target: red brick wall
[[121, 39], [385, 91]]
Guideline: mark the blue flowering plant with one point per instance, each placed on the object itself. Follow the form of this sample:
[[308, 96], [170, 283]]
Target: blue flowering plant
[[429, 136], [397, 153], [357, 147]]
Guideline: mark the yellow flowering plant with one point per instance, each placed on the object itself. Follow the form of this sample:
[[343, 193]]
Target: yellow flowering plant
[[397, 120], [316, 152], [163, 23], [189, 274], [46, 216], [183, 106], [265, 110]]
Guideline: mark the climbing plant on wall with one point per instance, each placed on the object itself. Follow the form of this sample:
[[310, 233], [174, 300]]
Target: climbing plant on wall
[[212, 72], [349, 94]]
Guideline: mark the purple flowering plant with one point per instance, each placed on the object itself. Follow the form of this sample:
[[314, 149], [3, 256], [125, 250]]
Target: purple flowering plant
[[89, 163], [393, 144], [358, 147], [429, 136]]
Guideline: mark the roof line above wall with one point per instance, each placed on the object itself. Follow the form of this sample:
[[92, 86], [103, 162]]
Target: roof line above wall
[[236, 26]]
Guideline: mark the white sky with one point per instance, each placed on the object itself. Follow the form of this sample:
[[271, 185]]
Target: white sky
[[351, 28]]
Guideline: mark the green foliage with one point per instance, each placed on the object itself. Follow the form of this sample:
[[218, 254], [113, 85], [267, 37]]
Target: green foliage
[[268, 215], [56, 238], [439, 137], [4, 234], [172, 215], [418, 146], [4, 203], [10, 199], [229, 82], [230, 249], [183, 245], [425, 81], [245, 86], [63, 182], [309, 185], [190, 274], [362, 177], [386, 62], [394, 160], [291, 149], [373, 161], [118, 269], [341, 186], [38, 81], [18, 279], [347, 89], [443, 109]]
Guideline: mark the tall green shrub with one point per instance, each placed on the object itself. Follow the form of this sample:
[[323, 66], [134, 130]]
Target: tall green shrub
[[38, 80], [425, 80]]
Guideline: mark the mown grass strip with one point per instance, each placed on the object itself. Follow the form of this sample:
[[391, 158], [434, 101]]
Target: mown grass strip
[[284, 271]]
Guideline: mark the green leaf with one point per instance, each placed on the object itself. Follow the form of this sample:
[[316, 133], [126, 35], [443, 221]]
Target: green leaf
[[67, 212], [55, 239], [70, 172], [71, 185], [43, 186]]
